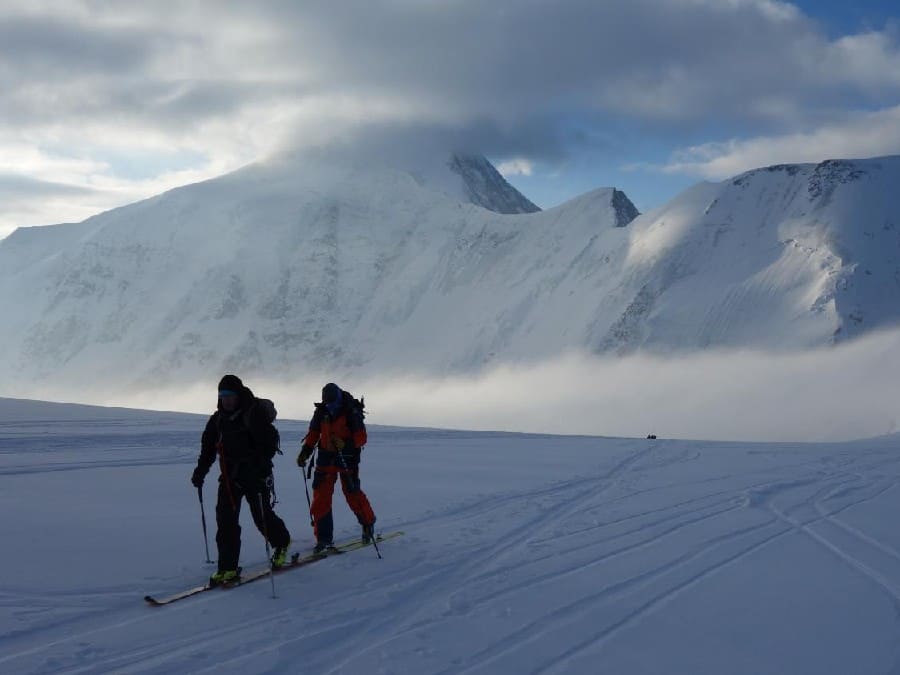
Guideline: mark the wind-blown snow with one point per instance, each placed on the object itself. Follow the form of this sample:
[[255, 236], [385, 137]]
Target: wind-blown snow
[[522, 554], [361, 268]]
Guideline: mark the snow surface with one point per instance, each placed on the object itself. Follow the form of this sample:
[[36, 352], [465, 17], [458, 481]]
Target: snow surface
[[353, 267], [522, 554]]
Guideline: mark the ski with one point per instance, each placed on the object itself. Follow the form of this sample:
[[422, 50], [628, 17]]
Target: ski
[[296, 560]]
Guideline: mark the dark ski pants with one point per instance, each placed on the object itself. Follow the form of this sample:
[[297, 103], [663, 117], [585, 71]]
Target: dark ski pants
[[323, 490], [228, 511]]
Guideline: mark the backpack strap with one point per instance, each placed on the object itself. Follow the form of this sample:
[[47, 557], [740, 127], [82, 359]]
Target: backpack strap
[[245, 417]]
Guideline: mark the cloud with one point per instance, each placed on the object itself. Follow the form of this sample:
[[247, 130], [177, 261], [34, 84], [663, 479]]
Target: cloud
[[446, 62], [53, 49], [861, 135], [516, 167], [23, 198], [830, 394], [231, 83], [665, 62], [14, 186]]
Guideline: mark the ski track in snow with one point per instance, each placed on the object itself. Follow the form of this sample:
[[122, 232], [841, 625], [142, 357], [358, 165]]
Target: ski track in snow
[[521, 555]]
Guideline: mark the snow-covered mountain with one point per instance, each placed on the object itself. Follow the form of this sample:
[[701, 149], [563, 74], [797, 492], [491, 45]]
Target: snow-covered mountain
[[290, 266], [785, 256]]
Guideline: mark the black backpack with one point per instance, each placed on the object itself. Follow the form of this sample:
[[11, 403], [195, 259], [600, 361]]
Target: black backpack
[[359, 405], [269, 413]]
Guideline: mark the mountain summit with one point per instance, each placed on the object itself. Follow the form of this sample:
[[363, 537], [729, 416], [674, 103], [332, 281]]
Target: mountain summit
[[485, 186]]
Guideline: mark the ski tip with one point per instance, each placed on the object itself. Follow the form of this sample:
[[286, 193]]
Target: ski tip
[[150, 599]]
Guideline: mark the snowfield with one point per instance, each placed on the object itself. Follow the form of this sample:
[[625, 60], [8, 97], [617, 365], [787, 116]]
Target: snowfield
[[522, 554]]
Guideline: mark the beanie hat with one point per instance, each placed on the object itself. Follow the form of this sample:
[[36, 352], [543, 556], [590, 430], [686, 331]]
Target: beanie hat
[[331, 393], [230, 384], [332, 397]]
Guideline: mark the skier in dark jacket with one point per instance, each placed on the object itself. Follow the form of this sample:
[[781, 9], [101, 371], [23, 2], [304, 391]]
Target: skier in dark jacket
[[337, 428], [241, 434]]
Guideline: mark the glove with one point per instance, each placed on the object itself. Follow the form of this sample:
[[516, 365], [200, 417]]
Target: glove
[[197, 477], [303, 457]]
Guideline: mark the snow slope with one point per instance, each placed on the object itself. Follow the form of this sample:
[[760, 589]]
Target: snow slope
[[790, 255], [280, 266], [347, 266], [523, 554]]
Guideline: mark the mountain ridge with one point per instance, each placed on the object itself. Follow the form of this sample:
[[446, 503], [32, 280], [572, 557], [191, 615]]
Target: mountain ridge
[[282, 267]]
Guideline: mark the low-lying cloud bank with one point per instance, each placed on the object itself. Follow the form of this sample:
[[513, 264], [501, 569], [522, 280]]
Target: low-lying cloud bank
[[850, 391]]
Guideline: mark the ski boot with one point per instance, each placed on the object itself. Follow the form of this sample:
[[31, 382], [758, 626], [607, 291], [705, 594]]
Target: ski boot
[[224, 578], [323, 547], [368, 533], [279, 557]]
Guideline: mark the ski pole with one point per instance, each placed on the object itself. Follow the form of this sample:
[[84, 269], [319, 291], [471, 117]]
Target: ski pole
[[349, 476], [262, 515], [203, 520], [308, 502], [375, 544]]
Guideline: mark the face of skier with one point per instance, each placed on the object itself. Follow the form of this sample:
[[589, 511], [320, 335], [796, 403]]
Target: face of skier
[[331, 397], [229, 400]]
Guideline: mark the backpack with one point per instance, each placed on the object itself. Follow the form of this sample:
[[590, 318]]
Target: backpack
[[357, 409], [357, 406], [269, 413], [354, 406]]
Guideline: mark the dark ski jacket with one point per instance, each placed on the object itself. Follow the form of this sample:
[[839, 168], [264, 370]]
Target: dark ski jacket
[[246, 438]]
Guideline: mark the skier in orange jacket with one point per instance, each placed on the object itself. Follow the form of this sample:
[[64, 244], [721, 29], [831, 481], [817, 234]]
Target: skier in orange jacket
[[337, 428]]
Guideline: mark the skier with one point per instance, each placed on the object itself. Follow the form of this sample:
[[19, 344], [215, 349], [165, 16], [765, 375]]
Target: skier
[[241, 433], [338, 429]]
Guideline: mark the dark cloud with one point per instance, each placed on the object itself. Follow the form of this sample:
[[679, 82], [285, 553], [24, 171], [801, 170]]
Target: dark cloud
[[15, 187], [534, 137], [52, 49], [650, 58], [521, 77], [163, 74], [470, 59], [511, 76], [175, 107]]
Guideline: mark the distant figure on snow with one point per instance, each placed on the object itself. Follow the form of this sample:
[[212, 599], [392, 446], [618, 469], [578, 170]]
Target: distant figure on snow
[[243, 437], [337, 428]]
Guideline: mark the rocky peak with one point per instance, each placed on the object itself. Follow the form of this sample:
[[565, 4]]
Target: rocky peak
[[485, 187]]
